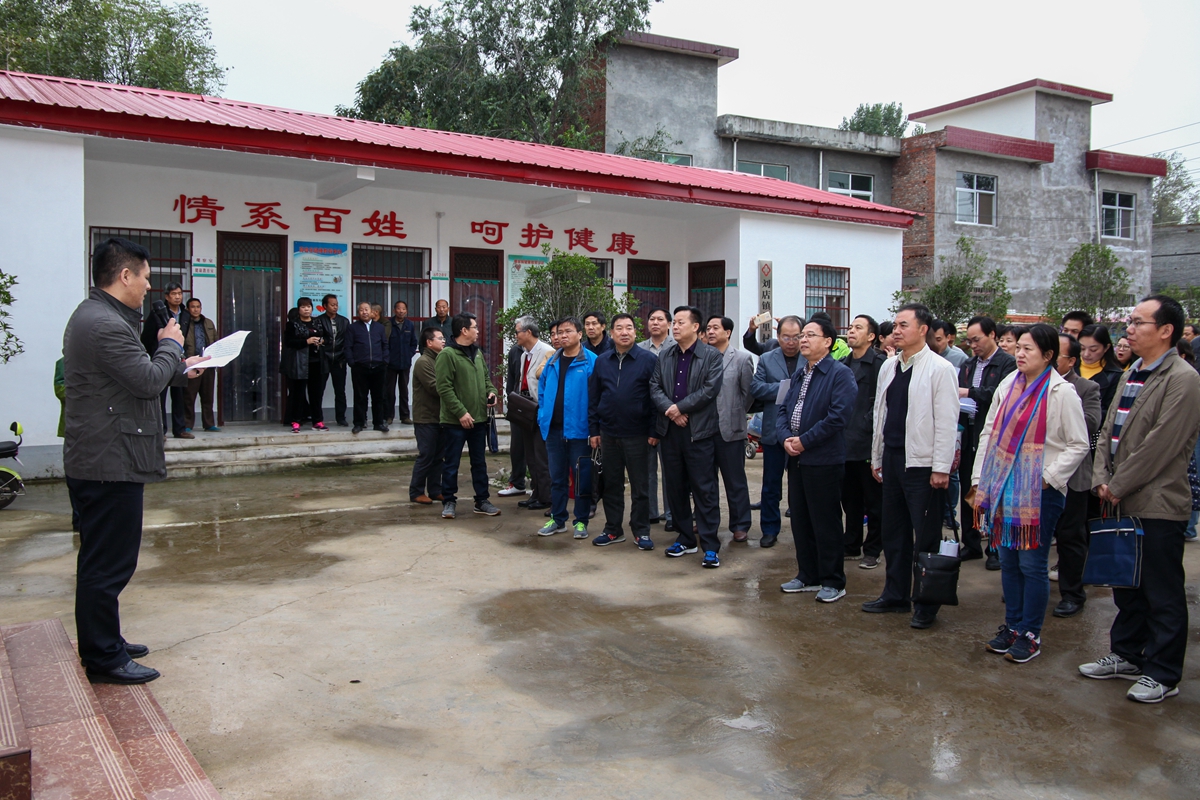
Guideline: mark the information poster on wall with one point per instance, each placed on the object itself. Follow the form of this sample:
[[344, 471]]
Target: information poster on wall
[[518, 268], [319, 269]]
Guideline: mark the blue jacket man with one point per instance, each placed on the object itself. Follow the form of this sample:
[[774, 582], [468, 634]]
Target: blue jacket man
[[828, 404], [619, 395], [367, 357], [402, 346], [774, 367]]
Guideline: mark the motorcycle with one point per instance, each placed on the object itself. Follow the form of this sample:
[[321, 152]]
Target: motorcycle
[[11, 486]]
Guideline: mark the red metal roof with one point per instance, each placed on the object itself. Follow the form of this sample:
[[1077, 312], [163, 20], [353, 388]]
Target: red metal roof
[[1036, 83], [997, 145], [125, 112], [1106, 161]]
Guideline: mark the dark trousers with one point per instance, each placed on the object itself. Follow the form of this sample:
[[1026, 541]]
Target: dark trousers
[[731, 463], [653, 461], [539, 465], [972, 539], [396, 391], [178, 398], [1151, 628], [688, 468], [1072, 536], [519, 440], [431, 455], [774, 465], [569, 457], [626, 454], [202, 387], [911, 508], [475, 439], [368, 381], [815, 496], [110, 533], [862, 496], [337, 371], [305, 396]]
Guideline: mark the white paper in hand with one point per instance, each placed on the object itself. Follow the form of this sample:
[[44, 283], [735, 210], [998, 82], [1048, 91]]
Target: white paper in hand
[[222, 351], [781, 395]]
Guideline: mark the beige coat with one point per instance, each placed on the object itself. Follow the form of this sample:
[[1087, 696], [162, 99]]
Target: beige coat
[[1066, 432], [1149, 471], [931, 426]]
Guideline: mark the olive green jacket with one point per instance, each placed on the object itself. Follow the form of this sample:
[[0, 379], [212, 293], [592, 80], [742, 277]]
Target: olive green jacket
[[462, 384]]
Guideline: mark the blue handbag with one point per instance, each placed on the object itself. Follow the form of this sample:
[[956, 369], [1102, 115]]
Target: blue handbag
[[1115, 553]]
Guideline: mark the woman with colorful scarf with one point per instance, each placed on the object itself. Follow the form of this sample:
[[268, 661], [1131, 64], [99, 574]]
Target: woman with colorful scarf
[[1032, 442]]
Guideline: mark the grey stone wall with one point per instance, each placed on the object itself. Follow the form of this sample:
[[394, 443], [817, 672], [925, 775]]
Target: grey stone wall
[[1176, 257]]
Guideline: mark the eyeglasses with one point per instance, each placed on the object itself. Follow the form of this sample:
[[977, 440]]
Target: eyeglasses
[[1133, 323], [811, 336], [790, 339]]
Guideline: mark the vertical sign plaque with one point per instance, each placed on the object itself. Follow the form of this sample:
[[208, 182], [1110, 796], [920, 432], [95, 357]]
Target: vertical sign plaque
[[765, 299]]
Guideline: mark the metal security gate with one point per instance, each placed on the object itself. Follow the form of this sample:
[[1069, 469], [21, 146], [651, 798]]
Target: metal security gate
[[706, 288], [252, 274], [650, 283], [476, 287]]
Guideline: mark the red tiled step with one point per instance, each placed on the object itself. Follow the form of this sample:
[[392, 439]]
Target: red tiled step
[[15, 780], [75, 753]]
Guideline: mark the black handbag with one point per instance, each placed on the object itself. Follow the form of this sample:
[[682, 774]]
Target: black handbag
[[522, 410], [935, 576], [1115, 550]]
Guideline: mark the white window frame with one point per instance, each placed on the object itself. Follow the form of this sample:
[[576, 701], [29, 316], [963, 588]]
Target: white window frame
[[759, 167], [1119, 211], [858, 194], [974, 194], [674, 158]]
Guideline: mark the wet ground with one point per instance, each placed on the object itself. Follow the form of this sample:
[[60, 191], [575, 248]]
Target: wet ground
[[319, 637]]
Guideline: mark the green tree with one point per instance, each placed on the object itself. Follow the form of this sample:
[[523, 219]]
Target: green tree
[[10, 345], [1188, 297], [648, 147], [565, 286], [1092, 281], [883, 119], [962, 287], [518, 69], [134, 42], [1174, 197]]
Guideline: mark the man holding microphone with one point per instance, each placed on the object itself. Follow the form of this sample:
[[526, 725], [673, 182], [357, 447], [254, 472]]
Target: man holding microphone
[[114, 446]]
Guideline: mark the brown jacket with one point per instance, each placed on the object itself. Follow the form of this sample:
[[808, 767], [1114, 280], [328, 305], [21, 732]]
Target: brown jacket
[[1149, 471], [189, 341]]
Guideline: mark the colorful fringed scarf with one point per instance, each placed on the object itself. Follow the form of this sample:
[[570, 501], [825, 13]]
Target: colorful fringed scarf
[[1010, 484]]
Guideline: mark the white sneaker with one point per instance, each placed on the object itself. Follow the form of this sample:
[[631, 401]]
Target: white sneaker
[[1053, 573], [510, 491], [1148, 690], [1111, 666]]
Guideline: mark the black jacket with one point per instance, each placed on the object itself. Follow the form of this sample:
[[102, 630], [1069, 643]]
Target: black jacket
[[152, 324], [997, 369], [1107, 379], [402, 343], [365, 346], [297, 353], [334, 330], [606, 344], [619, 394], [704, 384], [751, 344], [827, 408], [860, 426]]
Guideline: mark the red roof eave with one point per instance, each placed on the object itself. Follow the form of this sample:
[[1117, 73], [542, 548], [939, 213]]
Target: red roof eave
[[997, 145], [1037, 83], [1106, 161]]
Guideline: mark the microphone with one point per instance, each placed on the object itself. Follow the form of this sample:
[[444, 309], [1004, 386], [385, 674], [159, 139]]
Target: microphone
[[158, 311]]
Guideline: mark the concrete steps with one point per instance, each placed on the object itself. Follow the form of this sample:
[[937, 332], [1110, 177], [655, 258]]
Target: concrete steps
[[64, 738], [248, 449]]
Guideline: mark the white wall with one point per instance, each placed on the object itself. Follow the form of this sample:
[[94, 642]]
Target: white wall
[[41, 227], [1010, 115]]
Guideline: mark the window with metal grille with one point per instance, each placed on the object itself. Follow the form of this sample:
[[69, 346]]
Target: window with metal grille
[[779, 171], [1117, 209], [706, 288], [385, 275], [649, 283], [170, 258], [604, 270], [975, 198], [853, 185], [828, 289]]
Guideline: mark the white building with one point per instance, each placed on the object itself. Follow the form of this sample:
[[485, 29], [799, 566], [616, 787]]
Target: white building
[[250, 207]]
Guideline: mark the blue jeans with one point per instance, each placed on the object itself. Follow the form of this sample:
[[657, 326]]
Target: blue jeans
[[1023, 573], [567, 456], [453, 439], [774, 463]]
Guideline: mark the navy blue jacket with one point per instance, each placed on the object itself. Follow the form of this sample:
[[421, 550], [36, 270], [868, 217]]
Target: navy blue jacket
[[827, 408], [402, 345], [365, 348], [619, 394]]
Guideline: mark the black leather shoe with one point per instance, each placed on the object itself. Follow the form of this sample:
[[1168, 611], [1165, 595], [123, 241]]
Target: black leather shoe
[[381, 428], [670, 526], [922, 621], [132, 672], [343, 424], [993, 562], [137, 650], [356, 430], [969, 555], [524, 503], [756, 506], [881, 606], [1067, 608], [534, 505], [767, 541], [788, 513]]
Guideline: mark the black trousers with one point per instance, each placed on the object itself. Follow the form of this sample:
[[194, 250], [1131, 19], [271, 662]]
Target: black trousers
[[815, 496], [539, 464], [731, 463], [368, 381], [337, 371], [622, 455], [911, 508], [1151, 628], [972, 539], [178, 401], [688, 469], [518, 442], [305, 396], [396, 391], [431, 455], [862, 496], [110, 533], [1072, 536]]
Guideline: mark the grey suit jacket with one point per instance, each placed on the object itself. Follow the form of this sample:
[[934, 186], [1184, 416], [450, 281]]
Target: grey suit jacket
[[735, 396]]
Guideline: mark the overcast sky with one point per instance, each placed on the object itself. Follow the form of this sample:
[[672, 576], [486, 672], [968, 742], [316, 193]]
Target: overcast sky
[[801, 62]]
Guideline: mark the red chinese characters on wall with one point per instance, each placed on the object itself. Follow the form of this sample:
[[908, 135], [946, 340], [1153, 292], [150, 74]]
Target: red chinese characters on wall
[[581, 237], [385, 225], [204, 207], [492, 232], [327, 220], [532, 237], [622, 243], [264, 215]]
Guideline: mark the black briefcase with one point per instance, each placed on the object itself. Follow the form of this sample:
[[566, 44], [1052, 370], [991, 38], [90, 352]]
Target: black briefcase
[[935, 576], [522, 410]]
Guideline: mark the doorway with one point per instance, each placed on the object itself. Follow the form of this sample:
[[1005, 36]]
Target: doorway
[[650, 283], [706, 288], [251, 278], [476, 286]]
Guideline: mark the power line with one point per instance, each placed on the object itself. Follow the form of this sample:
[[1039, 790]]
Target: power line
[[1149, 135]]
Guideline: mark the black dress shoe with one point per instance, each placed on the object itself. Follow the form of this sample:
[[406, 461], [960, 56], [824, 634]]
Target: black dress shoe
[[655, 520], [767, 541], [881, 606], [993, 562], [382, 428], [137, 650], [356, 430], [922, 621], [1067, 608], [756, 506], [343, 424], [969, 555], [524, 503], [534, 505], [131, 672], [670, 526], [788, 513]]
